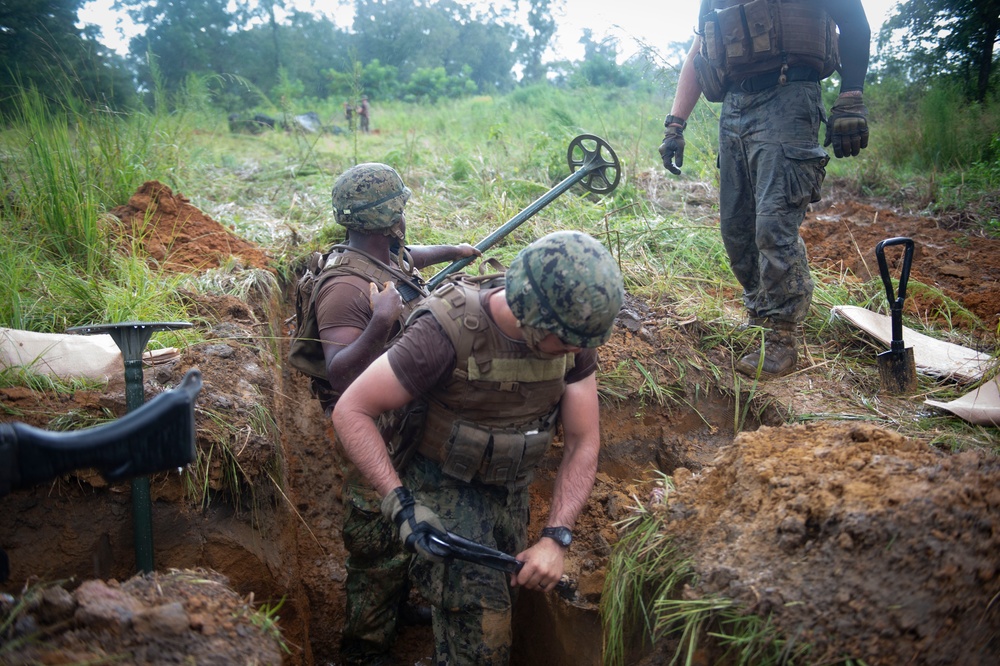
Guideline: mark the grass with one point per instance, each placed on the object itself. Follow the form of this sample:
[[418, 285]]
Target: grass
[[473, 164]]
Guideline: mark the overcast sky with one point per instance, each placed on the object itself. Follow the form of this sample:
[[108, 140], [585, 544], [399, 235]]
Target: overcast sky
[[631, 21]]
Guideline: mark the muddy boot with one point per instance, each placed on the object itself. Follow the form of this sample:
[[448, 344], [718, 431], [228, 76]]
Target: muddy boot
[[779, 351]]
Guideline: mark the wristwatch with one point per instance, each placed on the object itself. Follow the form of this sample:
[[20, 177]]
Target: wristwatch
[[561, 535], [675, 120]]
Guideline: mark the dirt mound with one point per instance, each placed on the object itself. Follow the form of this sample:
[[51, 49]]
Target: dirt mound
[[856, 540], [841, 235], [178, 617], [179, 236]]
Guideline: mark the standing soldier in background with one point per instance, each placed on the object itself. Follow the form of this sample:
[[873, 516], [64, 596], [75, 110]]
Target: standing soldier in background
[[764, 59], [364, 112], [359, 312], [349, 114], [500, 366]]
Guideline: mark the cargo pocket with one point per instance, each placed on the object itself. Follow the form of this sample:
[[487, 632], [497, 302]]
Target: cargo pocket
[[806, 173]]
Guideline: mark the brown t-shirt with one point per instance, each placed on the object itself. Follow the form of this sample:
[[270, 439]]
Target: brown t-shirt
[[424, 355], [345, 301]]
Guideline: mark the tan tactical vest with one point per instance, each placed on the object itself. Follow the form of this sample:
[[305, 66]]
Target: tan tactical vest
[[507, 397], [346, 260], [741, 38], [306, 349]]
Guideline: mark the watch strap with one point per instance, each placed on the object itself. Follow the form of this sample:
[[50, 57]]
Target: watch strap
[[561, 535], [675, 120]]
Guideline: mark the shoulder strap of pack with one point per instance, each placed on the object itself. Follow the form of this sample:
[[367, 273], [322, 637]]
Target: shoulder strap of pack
[[364, 266], [458, 310]]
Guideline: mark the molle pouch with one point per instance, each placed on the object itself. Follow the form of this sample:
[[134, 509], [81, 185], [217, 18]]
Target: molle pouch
[[761, 28], [536, 445], [711, 41], [466, 448], [713, 84], [735, 38], [505, 459]]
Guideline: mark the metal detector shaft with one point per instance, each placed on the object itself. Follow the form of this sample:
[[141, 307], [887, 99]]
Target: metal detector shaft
[[592, 165]]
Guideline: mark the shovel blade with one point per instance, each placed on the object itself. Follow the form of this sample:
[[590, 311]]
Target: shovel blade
[[898, 372]]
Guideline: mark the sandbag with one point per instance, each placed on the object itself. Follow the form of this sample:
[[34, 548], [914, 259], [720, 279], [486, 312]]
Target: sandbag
[[69, 356]]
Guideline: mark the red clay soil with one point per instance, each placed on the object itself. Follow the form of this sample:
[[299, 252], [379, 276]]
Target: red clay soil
[[863, 543], [841, 234], [177, 235]]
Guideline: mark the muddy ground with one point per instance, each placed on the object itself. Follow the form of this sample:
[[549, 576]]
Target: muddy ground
[[860, 541]]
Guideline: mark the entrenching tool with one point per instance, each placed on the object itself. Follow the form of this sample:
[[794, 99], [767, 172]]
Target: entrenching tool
[[592, 163], [896, 367], [454, 546]]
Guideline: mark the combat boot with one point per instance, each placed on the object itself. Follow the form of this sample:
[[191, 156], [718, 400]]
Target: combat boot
[[779, 352]]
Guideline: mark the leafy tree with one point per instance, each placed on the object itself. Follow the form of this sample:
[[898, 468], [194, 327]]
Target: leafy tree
[[41, 47], [184, 37], [534, 43], [600, 63], [955, 37]]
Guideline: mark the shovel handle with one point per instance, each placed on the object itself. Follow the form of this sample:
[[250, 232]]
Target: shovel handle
[[895, 302], [883, 268]]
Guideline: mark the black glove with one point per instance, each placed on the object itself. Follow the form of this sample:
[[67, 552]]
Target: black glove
[[672, 148], [847, 127], [416, 523]]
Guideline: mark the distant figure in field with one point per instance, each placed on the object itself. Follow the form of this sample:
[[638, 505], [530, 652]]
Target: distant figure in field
[[349, 114], [364, 112]]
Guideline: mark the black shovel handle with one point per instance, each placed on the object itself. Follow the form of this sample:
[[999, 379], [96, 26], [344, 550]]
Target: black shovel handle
[[451, 545], [895, 300]]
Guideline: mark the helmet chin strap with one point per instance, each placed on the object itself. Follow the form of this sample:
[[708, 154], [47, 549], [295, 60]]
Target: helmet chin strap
[[533, 338]]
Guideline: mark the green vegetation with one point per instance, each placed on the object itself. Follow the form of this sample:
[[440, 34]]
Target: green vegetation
[[473, 162]]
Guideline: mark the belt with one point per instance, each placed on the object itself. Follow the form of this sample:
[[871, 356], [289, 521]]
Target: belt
[[759, 82]]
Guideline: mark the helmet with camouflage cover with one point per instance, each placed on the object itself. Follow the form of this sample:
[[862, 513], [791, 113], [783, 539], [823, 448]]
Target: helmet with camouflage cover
[[370, 198], [566, 283]]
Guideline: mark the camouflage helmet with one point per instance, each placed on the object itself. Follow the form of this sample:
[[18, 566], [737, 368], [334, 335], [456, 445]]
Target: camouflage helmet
[[369, 198], [568, 284]]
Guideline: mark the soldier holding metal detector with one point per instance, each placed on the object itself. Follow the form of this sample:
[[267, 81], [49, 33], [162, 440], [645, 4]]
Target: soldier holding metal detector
[[764, 59], [356, 311], [501, 360]]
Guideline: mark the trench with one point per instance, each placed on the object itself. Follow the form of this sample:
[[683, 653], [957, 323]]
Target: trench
[[637, 443], [288, 548]]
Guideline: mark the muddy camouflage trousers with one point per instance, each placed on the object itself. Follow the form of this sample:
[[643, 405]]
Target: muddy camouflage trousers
[[771, 168], [471, 605], [377, 575]]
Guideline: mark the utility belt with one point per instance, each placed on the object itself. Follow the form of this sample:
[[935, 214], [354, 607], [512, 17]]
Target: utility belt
[[767, 80], [492, 455]]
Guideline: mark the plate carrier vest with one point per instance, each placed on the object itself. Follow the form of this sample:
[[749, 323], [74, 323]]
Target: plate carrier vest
[[306, 350], [508, 398], [742, 38]]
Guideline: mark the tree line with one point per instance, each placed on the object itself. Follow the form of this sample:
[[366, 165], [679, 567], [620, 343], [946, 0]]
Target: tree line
[[417, 50]]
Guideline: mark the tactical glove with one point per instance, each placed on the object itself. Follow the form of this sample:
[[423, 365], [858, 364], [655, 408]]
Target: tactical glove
[[847, 127], [416, 523], [672, 148]]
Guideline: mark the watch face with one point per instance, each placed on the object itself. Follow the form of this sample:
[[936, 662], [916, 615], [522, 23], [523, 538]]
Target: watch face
[[561, 535]]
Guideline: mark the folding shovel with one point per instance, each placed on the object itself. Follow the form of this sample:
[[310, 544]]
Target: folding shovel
[[896, 367], [452, 545]]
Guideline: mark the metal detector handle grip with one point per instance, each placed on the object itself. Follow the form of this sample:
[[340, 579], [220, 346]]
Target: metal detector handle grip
[[158, 436], [895, 301]]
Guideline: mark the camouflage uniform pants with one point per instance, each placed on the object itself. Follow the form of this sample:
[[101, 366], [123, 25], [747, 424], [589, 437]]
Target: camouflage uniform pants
[[471, 605], [771, 168], [377, 575]]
